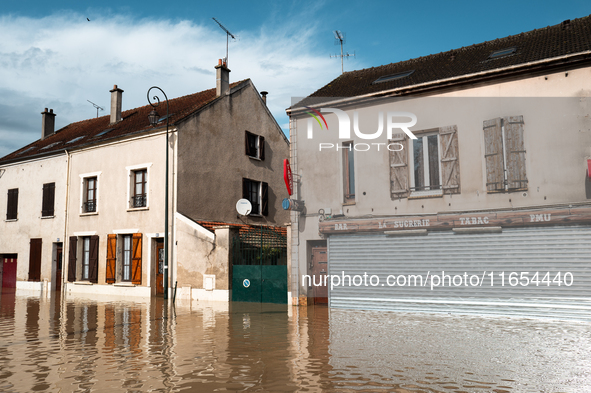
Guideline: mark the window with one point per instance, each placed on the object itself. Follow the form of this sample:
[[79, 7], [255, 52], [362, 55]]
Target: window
[[90, 191], [425, 159], [35, 259], [126, 274], [254, 145], [502, 53], [258, 195], [435, 168], [349, 172], [12, 205], [139, 195], [504, 153], [47, 206], [85, 258], [392, 77]]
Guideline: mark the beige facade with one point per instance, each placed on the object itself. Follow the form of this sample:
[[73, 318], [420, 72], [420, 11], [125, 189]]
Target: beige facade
[[555, 110], [29, 178]]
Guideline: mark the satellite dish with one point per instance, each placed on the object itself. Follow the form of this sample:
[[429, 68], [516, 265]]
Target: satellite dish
[[243, 207]]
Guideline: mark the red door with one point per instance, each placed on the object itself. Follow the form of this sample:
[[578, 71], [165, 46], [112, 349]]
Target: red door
[[318, 272], [159, 267], [8, 273]]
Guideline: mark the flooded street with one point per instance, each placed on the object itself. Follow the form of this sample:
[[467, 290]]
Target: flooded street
[[89, 345]]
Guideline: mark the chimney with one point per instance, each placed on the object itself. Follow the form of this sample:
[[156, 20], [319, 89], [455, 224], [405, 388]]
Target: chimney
[[264, 96], [116, 94], [222, 78], [47, 123]]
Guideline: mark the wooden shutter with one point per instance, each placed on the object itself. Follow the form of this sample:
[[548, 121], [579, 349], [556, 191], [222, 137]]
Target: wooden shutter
[[245, 191], [111, 258], [93, 268], [450, 160], [493, 155], [265, 199], [262, 147], [136, 259], [72, 259], [47, 208], [398, 167], [515, 149], [35, 260], [12, 204]]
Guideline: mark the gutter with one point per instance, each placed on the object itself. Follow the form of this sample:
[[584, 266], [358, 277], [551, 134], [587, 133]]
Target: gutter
[[66, 241], [437, 82]]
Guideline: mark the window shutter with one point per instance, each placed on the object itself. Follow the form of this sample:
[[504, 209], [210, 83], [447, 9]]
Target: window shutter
[[47, 208], [93, 268], [111, 258], [12, 205], [136, 259], [245, 193], [265, 199], [262, 147], [450, 160], [493, 155], [399, 168], [35, 260], [72, 259], [515, 147]]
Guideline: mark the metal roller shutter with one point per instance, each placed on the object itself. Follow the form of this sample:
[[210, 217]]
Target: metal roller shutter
[[543, 249]]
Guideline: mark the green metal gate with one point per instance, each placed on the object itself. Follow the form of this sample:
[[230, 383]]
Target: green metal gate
[[259, 266]]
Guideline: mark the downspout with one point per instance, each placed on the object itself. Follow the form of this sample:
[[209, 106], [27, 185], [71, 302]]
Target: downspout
[[66, 240]]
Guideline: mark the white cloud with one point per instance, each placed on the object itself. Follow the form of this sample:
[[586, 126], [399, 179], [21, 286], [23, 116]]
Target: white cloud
[[61, 61]]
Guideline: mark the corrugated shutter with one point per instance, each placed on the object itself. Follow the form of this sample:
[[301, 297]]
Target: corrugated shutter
[[450, 160], [543, 249], [515, 149], [35, 260], [493, 155], [399, 167], [93, 262], [111, 258], [72, 259], [136, 260]]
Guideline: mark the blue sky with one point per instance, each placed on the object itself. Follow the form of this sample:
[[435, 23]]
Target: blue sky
[[51, 56]]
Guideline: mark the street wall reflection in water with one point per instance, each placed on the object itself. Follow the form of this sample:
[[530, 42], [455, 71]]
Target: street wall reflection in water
[[66, 345]]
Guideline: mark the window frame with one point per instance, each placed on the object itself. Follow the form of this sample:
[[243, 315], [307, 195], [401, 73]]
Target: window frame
[[427, 191], [255, 152], [126, 268], [348, 153], [12, 195], [84, 178], [131, 182], [262, 196], [85, 260]]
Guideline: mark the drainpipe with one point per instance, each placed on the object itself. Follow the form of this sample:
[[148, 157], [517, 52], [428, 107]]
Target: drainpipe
[[66, 241]]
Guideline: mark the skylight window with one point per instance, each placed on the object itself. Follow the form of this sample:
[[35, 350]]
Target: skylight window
[[50, 146], [387, 78], [104, 132], [502, 53], [75, 140], [29, 149]]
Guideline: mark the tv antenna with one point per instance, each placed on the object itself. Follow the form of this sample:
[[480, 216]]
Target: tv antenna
[[340, 39], [97, 107], [228, 35]]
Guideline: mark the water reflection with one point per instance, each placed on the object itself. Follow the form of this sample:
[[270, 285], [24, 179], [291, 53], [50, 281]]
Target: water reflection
[[90, 345]]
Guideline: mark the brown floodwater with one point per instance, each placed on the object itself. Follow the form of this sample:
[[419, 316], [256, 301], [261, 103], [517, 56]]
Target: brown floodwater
[[92, 345]]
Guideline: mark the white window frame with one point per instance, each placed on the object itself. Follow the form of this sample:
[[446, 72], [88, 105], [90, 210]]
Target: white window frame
[[426, 174], [260, 198], [85, 276], [83, 178], [130, 184]]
